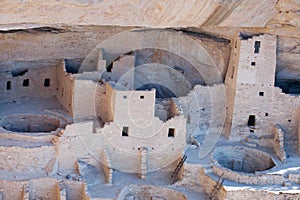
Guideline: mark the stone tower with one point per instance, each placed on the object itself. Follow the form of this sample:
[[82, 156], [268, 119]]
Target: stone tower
[[250, 86]]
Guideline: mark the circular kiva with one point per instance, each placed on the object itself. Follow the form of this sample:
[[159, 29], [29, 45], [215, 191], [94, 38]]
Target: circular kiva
[[25, 123], [242, 159], [149, 192]]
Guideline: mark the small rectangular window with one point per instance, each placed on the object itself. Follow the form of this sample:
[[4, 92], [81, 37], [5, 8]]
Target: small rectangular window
[[125, 131], [25, 82], [256, 46], [47, 82], [171, 132], [124, 97], [8, 85], [142, 97], [261, 93], [266, 114], [253, 63]]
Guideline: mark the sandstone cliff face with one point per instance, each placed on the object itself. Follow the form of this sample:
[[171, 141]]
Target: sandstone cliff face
[[288, 59], [155, 13], [288, 14], [82, 24]]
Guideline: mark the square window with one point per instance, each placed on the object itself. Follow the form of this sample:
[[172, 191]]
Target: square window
[[47, 82], [142, 97], [25, 82], [124, 97], [261, 93], [171, 132], [253, 63], [125, 131], [266, 114], [251, 130], [8, 85]]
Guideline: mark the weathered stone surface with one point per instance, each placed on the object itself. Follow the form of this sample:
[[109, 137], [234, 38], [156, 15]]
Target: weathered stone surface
[[175, 41], [156, 13]]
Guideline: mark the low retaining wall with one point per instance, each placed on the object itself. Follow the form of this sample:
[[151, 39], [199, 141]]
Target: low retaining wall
[[252, 179]]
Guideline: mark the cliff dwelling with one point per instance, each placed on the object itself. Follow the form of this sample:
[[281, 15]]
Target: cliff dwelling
[[149, 100]]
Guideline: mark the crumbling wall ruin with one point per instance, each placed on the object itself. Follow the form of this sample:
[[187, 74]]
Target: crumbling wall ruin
[[279, 143], [204, 109], [252, 194], [21, 163], [106, 165], [13, 189], [148, 191], [65, 85], [104, 103], [46, 188]]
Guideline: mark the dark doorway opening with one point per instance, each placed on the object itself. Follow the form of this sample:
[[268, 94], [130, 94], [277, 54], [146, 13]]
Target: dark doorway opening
[[8, 85], [47, 82], [251, 120]]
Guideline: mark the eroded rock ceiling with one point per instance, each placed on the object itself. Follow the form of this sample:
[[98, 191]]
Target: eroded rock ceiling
[[33, 30]]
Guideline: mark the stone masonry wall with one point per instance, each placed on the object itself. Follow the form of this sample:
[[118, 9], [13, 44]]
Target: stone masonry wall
[[84, 99], [106, 166], [46, 188], [124, 151], [204, 108], [12, 189], [279, 143], [256, 96], [209, 183], [65, 87], [253, 72], [104, 102], [258, 194], [261, 179], [28, 85], [24, 162]]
